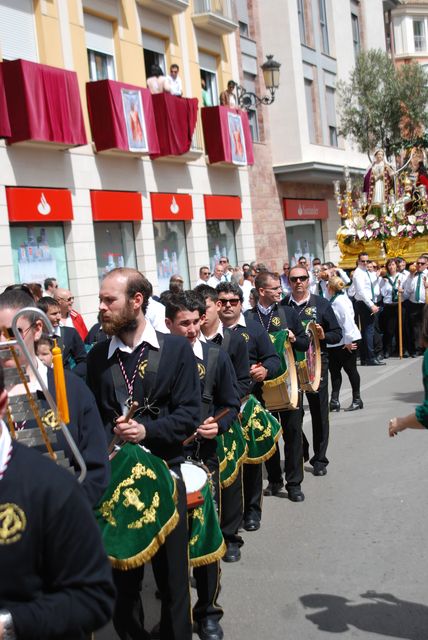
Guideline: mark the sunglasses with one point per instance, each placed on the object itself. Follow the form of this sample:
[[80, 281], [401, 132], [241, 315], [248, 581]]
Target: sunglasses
[[70, 299], [299, 278], [421, 263], [223, 261], [8, 331], [232, 301]]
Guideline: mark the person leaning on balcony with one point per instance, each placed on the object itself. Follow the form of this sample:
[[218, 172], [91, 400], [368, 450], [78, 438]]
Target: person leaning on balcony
[[157, 82], [175, 80], [228, 97]]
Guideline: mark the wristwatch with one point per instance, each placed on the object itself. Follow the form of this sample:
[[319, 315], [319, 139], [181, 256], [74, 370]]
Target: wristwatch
[[7, 622]]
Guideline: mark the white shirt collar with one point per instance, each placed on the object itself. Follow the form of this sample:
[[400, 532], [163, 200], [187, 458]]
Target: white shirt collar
[[305, 301], [219, 331], [148, 335], [197, 349], [5, 443], [265, 310], [241, 322]]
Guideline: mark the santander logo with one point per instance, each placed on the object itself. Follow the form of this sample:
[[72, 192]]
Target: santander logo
[[44, 207], [174, 208]]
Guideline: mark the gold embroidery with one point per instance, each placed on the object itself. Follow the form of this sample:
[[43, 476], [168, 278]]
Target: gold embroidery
[[197, 514], [201, 371], [245, 336], [149, 515], [49, 419], [12, 523], [276, 321], [142, 368]]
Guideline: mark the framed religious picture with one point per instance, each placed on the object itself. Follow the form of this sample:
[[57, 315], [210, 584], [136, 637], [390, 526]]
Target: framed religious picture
[[134, 120], [237, 139]]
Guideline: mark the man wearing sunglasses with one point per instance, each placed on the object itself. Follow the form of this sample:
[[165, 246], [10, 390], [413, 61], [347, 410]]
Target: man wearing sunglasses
[[415, 293], [312, 307], [267, 314], [364, 284], [204, 276], [70, 317]]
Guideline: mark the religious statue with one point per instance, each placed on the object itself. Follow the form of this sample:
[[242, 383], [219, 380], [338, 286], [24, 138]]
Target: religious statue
[[378, 181]]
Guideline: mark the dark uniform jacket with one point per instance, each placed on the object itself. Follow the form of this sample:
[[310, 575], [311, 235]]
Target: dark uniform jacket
[[175, 404], [320, 310], [55, 578], [236, 347], [292, 323], [73, 351]]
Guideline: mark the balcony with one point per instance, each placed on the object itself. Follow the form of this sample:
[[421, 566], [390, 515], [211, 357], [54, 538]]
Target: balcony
[[169, 7], [214, 16]]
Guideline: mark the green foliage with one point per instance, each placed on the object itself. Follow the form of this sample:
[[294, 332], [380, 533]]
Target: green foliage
[[382, 105]]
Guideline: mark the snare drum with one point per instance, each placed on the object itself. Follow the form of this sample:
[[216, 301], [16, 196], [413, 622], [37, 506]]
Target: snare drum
[[195, 477]]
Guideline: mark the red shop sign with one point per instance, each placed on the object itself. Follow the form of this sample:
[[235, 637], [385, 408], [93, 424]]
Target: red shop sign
[[305, 209], [171, 206], [116, 205], [223, 207], [38, 205]]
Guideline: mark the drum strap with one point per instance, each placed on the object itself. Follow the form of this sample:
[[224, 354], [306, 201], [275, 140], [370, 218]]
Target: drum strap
[[282, 317], [225, 344], [210, 375]]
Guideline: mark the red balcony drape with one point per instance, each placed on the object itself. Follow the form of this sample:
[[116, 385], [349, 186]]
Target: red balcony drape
[[175, 123], [227, 135]]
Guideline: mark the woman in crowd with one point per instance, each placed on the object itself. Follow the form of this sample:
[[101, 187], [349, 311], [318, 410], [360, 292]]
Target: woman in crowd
[[343, 355], [390, 286]]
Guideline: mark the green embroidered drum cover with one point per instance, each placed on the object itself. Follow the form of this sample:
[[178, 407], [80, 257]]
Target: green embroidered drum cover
[[138, 509], [261, 431], [231, 451], [279, 338], [206, 542]]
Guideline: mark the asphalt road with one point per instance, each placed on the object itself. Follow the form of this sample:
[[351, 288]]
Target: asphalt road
[[351, 560]]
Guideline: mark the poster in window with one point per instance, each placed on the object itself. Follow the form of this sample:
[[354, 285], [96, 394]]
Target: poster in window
[[134, 120], [39, 253], [237, 139]]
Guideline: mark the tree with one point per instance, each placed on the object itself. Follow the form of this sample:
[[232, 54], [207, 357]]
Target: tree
[[382, 105]]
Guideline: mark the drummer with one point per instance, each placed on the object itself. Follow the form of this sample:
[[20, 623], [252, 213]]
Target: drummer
[[309, 306], [264, 364], [274, 317], [183, 316], [170, 414]]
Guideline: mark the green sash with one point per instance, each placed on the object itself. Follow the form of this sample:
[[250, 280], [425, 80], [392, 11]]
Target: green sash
[[261, 431], [231, 452], [206, 542], [138, 508]]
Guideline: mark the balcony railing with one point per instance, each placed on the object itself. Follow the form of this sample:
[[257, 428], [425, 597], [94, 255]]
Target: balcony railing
[[215, 16]]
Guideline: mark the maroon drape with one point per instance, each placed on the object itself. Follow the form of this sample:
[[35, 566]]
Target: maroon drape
[[217, 137], [107, 119], [43, 103], [175, 123], [4, 116]]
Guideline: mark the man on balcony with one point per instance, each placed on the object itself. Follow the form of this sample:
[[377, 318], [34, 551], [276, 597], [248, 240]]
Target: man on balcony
[[175, 80], [228, 97]]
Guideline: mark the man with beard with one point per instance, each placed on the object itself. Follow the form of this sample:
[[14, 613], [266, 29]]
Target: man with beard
[[120, 371]]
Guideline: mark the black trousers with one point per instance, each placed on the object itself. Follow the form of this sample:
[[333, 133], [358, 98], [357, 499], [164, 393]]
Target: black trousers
[[338, 359], [318, 406], [253, 491], [367, 321], [291, 422], [415, 312], [390, 327], [232, 509], [171, 570]]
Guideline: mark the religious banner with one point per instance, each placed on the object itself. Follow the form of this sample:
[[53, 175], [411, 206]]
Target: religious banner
[[134, 120]]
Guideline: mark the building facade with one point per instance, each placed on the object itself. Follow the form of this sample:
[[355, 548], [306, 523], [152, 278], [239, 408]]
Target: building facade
[[406, 27], [77, 209]]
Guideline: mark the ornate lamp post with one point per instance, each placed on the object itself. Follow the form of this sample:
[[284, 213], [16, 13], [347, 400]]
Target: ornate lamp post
[[248, 99]]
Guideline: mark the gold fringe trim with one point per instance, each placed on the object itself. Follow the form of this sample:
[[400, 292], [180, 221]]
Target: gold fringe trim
[[270, 384], [266, 455], [231, 479], [210, 557], [147, 554], [222, 465]]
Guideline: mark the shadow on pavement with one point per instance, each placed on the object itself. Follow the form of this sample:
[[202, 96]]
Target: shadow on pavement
[[385, 615], [412, 397]]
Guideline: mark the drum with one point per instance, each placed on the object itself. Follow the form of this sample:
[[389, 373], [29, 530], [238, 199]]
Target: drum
[[138, 509], [195, 478], [261, 431], [282, 393], [231, 453], [206, 543], [309, 362]]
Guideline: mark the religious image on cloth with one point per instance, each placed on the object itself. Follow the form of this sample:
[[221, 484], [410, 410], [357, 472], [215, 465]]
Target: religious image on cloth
[[237, 139], [134, 120]]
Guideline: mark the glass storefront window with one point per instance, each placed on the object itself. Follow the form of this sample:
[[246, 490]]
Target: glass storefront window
[[171, 252], [304, 238], [38, 253], [114, 245], [221, 241]]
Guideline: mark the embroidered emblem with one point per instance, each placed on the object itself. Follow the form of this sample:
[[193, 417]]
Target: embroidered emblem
[[276, 321], [13, 523], [201, 371], [311, 311], [245, 336], [142, 369], [49, 419]]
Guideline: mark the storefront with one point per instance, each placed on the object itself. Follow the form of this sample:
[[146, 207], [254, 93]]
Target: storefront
[[114, 214], [37, 233], [223, 215], [170, 212], [303, 226]]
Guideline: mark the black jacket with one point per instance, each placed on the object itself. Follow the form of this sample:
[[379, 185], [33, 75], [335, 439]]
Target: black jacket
[[73, 351], [276, 324], [236, 348], [320, 310]]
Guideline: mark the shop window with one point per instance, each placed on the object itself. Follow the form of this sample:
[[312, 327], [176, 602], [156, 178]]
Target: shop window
[[221, 241], [100, 48], [304, 238], [38, 252], [114, 245], [171, 252], [18, 30]]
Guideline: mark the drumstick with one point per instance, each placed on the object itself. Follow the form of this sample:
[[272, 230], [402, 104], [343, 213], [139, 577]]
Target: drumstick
[[218, 417], [132, 409]]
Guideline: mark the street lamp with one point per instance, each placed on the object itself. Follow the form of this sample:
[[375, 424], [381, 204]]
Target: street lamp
[[248, 99]]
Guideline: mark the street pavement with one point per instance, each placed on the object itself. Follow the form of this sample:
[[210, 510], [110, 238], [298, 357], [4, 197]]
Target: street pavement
[[350, 561]]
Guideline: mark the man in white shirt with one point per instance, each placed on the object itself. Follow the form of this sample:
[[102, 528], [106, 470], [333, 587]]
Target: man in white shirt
[[415, 295], [204, 276], [217, 276], [364, 285], [175, 80]]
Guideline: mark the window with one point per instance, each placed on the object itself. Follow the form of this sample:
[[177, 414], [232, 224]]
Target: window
[[38, 252], [331, 115], [301, 16], [100, 47], [249, 82], [221, 241], [419, 35], [115, 246], [17, 30], [208, 70], [310, 109], [171, 252], [356, 34], [323, 27], [154, 53], [304, 238], [243, 29]]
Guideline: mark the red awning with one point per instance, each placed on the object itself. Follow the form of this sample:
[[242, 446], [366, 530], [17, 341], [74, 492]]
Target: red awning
[[222, 207], [171, 206], [4, 116], [227, 136], [43, 104], [116, 205], [175, 123], [38, 205], [121, 117]]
